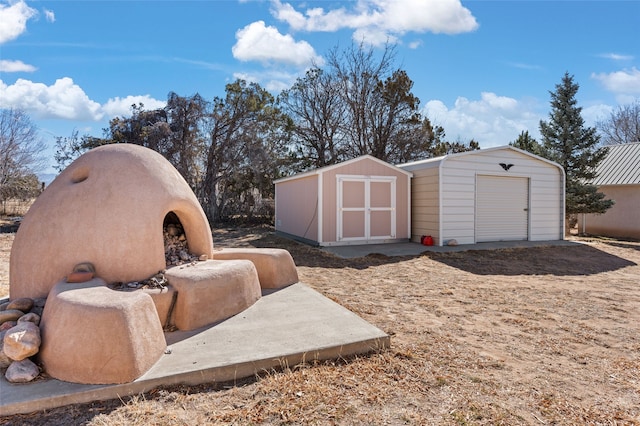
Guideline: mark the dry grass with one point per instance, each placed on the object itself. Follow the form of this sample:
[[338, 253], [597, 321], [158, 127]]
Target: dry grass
[[524, 336]]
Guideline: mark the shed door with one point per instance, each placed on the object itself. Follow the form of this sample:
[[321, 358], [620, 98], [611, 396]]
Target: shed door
[[502, 208], [366, 208]]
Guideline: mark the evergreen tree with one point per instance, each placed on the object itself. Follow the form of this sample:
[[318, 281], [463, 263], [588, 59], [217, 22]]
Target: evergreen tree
[[569, 143], [527, 143]]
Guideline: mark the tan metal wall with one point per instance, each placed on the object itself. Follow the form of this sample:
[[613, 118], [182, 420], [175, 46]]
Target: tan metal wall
[[425, 219], [622, 220]]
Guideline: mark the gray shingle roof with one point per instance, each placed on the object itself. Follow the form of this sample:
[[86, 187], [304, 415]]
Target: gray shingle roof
[[621, 166]]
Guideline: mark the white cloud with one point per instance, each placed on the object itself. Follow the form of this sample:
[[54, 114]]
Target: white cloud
[[15, 66], [624, 84], [67, 101], [121, 107], [50, 15], [14, 17], [415, 44], [492, 121], [258, 42], [273, 81], [617, 57], [382, 20], [64, 99]]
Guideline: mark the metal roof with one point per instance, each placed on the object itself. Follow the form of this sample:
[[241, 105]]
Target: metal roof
[[621, 166]]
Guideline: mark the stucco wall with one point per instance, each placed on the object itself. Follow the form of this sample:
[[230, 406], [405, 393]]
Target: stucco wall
[[621, 220]]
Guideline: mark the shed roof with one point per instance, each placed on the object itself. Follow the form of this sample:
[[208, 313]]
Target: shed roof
[[321, 170], [436, 161], [621, 166]]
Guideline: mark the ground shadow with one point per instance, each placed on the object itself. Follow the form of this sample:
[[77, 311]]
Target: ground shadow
[[314, 257], [571, 260], [558, 260], [622, 244]]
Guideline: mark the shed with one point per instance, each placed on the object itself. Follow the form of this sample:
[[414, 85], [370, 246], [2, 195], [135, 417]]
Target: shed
[[493, 194], [360, 201], [618, 177]]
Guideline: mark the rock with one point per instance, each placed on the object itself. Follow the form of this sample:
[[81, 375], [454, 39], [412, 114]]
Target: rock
[[22, 371], [173, 230], [30, 317], [10, 315], [452, 242], [203, 257], [39, 302], [22, 341], [5, 361], [23, 304], [7, 325], [184, 255], [38, 305]]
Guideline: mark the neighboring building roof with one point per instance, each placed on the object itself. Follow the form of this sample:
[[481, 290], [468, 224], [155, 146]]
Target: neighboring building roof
[[621, 166]]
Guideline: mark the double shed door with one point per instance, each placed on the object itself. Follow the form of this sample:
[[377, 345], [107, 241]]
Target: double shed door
[[366, 208]]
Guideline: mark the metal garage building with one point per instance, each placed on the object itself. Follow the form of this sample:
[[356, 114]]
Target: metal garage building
[[494, 194], [360, 201]]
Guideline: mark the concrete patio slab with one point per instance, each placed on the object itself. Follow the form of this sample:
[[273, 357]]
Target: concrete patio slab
[[415, 249], [285, 327]]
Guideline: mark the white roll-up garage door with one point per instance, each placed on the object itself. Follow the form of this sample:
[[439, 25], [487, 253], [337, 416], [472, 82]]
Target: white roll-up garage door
[[502, 208]]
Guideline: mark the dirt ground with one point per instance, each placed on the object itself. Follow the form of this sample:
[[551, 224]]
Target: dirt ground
[[529, 336]]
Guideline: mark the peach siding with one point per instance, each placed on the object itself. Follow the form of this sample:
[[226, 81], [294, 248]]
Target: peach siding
[[621, 220], [297, 207], [364, 167], [303, 212]]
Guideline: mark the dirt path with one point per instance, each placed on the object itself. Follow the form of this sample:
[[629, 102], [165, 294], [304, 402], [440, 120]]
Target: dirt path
[[524, 336]]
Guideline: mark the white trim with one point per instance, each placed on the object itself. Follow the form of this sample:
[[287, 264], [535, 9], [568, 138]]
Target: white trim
[[320, 196], [409, 183], [366, 209], [440, 212]]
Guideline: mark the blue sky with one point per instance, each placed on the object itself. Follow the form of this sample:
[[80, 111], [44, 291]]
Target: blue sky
[[482, 69]]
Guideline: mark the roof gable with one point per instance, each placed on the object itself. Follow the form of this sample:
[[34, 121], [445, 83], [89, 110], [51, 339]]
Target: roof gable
[[324, 169], [438, 160]]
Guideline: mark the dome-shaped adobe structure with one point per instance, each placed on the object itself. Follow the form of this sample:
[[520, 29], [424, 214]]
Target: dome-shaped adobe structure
[[107, 208]]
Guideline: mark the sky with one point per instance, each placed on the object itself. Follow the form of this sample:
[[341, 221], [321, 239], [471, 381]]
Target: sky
[[482, 69]]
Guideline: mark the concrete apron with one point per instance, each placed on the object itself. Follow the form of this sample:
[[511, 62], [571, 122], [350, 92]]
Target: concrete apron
[[285, 327]]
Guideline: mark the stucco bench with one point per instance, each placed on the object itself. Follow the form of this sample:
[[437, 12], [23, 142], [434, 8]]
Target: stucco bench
[[275, 267], [212, 291], [95, 335]]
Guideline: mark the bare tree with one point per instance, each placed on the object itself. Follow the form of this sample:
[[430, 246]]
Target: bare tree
[[315, 105], [185, 116], [243, 129], [381, 114], [622, 126], [21, 151]]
